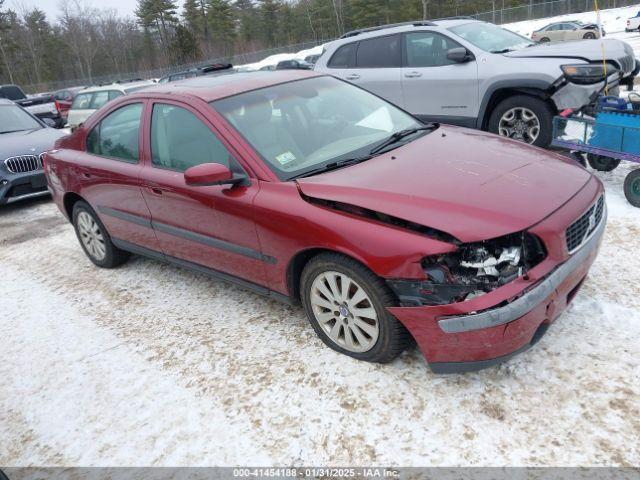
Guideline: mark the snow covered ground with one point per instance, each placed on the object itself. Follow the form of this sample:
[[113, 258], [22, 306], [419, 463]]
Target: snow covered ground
[[149, 364]]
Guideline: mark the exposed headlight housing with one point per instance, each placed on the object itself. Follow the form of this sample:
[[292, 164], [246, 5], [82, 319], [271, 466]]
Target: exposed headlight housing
[[472, 270], [586, 74]]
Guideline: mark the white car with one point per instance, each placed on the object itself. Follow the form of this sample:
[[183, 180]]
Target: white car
[[633, 24], [93, 98]]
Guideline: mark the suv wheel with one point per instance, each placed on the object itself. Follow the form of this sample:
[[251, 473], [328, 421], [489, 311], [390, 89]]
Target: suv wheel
[[346, 305], [94, 238], [601, 163], [525, 118]]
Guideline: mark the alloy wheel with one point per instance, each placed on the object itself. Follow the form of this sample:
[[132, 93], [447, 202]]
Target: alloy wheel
[[519, 123], [344, 311], [91, 236]]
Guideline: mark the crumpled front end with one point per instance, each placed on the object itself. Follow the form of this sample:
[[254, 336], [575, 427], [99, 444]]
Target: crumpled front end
[[464, 321]]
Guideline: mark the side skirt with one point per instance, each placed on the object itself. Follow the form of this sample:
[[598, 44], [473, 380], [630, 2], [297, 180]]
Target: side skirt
[[254, 287]]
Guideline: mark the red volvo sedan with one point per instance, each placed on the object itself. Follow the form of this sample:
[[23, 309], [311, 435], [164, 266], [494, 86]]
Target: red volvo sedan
[[307, 189]]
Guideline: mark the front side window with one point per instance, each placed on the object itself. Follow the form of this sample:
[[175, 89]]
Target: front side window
[[305, 125], [118, 134], [179, 140], [344, 57], [380, 52], [428, 49], [15, 119], [490, 37]]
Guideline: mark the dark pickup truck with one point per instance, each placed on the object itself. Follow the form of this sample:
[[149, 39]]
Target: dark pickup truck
[[42, 106]]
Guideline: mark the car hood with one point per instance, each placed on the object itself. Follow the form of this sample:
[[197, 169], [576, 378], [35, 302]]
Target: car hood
[[469, 184], [28, 142], [580, 49]]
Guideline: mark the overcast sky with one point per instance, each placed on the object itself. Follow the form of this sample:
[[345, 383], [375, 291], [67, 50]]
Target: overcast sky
[[124, 7]]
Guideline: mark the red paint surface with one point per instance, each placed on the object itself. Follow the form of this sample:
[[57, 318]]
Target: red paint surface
[[470, 184]]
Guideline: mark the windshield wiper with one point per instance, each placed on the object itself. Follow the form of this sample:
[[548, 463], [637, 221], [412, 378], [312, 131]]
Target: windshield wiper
[[504, 50], [13, 131], [333, 166], [396, 137]]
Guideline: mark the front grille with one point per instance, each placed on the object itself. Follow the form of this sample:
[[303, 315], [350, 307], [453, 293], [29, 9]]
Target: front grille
[[23, 163], [580, 230]]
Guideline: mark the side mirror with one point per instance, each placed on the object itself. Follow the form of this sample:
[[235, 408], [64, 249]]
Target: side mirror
[[207, 174], [459, 55], [49, 122]]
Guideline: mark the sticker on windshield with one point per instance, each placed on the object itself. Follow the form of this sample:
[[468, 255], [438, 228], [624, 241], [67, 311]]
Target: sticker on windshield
[[286, 157]]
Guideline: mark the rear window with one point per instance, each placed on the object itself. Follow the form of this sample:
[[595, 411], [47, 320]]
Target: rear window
[[381, 52]]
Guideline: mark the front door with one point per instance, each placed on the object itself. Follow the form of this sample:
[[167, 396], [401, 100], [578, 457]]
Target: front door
[[435, 87], [212, 226]]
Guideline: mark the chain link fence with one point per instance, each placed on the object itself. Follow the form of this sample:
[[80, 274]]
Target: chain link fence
[[531, 11]]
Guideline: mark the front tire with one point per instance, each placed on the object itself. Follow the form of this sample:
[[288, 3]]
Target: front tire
[[589, 36], [632, 187], [94, 238], [525, 118], [346, 306]]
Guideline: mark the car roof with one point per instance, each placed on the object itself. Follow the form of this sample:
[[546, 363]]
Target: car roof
[[214, 87], [121, 87]]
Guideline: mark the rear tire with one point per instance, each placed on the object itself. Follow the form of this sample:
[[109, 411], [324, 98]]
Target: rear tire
[[632, 187], [94, 238], [602, 164], [544, 40], [341, 298], [542, 111], [589, 36]]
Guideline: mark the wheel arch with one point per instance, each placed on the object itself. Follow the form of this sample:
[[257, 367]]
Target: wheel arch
[[68, 201], [301, 259], [507, 88]]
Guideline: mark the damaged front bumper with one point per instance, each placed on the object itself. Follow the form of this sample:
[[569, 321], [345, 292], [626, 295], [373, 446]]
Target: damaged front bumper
[[479, 333], [575, 96]]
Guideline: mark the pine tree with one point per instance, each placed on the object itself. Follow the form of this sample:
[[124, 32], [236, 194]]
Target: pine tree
[[221, 22], [269, 13]]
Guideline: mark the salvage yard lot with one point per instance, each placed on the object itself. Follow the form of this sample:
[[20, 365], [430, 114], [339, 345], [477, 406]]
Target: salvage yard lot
[[153, 365]]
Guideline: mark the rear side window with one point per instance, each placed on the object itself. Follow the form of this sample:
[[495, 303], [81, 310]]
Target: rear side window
[[117, 135], [81, 102], [98, 100], [113, 94], [344, 57], [381, 52], [179, 140]]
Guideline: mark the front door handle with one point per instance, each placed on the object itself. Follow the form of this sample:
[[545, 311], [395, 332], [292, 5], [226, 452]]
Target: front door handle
[[412, 74], [352, 76], [156, 191]]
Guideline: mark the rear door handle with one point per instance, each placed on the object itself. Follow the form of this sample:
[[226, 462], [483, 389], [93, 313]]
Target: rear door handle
[[412, 74], [352, 76]]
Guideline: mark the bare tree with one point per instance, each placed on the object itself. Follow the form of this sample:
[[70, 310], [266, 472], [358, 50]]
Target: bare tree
[[79, 33]]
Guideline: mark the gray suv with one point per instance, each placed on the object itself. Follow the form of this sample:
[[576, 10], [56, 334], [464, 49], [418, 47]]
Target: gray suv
[[475, 74]]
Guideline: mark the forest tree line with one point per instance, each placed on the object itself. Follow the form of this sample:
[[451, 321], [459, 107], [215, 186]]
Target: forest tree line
[[86, 42]]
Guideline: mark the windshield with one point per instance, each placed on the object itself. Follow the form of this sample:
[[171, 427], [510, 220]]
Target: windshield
[[14, 119], [490, 37], [304, 125]]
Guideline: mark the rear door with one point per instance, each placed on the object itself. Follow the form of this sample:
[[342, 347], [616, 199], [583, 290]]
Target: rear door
[[374, 64], [109, 171], [212, 226], [436, 88]]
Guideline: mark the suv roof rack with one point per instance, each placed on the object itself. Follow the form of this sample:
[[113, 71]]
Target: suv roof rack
[[415, 23], [419, 23]]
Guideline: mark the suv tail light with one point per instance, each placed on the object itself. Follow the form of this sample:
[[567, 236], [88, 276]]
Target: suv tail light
[[58, 106]]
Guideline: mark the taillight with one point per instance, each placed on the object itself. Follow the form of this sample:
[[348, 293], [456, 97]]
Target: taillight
[[58, 106]]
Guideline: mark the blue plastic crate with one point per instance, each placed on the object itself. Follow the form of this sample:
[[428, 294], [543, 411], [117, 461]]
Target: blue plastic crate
[[616, 131]]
